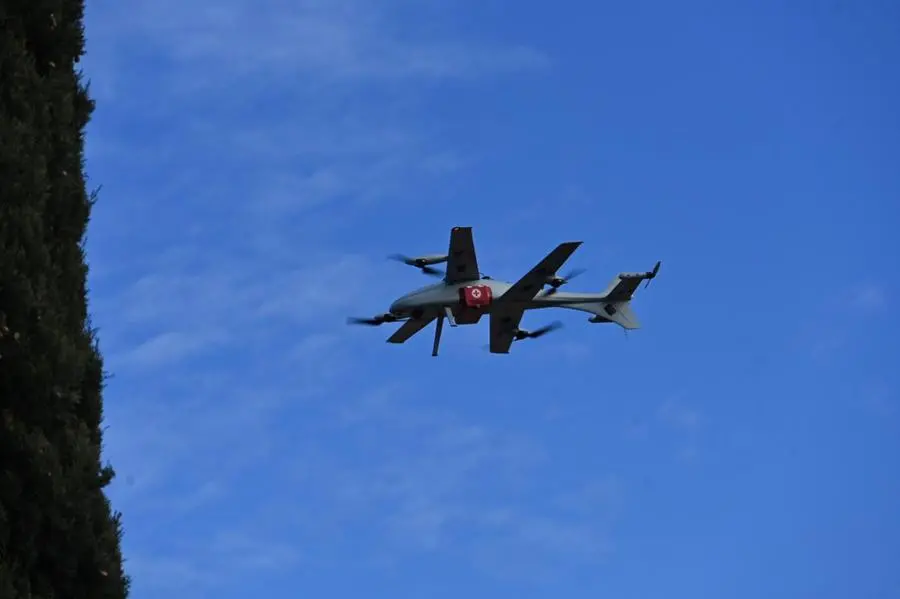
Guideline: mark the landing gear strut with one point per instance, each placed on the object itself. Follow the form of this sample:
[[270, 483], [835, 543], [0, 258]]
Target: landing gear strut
[[437, 334]]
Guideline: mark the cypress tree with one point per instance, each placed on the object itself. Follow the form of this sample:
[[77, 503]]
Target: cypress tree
[[58, 535]]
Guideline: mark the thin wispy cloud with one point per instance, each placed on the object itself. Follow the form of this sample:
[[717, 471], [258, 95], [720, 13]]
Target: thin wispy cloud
[[231, 304], [684, 422], [213, 132], [213, 563], [164, 349], [880, 400], [397, 480], [334, 40], [836, 323], [676, 413], [871, 297]]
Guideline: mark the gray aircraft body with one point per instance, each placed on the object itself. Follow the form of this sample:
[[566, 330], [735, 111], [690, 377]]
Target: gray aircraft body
[[465, 295]]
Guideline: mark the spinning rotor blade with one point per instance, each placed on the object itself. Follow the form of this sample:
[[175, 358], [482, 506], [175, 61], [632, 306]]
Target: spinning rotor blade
[[574, 273], [546, 329], [403, 259], [557, 282], [421, 263], [372, 322], [652, 274], [520, 334]]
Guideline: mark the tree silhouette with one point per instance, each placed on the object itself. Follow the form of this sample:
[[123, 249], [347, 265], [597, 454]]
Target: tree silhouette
[[58, 535]]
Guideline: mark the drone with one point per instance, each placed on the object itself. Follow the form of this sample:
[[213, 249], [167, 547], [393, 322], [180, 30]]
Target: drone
[[465, 294]]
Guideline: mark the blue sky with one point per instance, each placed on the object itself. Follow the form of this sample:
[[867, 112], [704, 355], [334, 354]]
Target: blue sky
[[258, 161]]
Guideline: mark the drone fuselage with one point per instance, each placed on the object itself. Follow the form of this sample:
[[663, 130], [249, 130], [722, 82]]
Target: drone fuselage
[[465, 294], [441, 297]]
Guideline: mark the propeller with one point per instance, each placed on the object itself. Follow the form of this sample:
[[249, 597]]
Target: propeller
[[372, 322], [422, 263], [557, 282], [652, 274], [520, 334]]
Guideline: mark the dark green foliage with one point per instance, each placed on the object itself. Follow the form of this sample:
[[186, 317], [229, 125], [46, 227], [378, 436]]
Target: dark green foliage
[[58, 536]]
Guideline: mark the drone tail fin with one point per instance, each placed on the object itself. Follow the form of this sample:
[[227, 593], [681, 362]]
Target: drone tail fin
[[620, 313], [623, 286]]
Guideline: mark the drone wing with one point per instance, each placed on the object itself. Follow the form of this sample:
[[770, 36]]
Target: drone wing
[[462, 262], [504, 322], [410, 328], [528, 286]]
